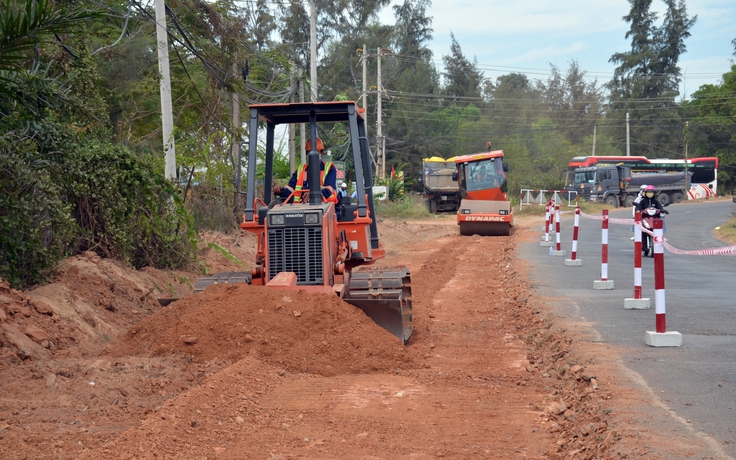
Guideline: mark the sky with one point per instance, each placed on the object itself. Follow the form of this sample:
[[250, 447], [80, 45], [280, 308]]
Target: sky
[[526, 36]]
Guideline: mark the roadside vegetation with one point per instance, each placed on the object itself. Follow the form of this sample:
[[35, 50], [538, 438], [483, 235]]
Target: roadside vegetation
[[81, 161], [727, 232]]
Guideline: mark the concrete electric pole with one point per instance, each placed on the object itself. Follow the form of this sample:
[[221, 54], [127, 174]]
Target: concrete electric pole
[[595, 128], [313, 50], [292, 128], [628, 138], [167, 117], [379, 130]]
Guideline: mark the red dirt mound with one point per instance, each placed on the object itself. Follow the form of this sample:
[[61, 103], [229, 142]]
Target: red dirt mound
[[294, 330]]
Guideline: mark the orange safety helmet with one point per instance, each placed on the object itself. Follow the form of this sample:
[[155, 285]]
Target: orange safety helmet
[[320, 145]]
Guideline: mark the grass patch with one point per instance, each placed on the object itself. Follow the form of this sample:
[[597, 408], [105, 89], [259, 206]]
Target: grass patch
[[539, 210], [226, 253], [727, 232], [408, 207]]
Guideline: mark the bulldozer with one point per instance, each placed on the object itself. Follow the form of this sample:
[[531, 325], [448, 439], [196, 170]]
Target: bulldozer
[[307, 242], [484, 206]]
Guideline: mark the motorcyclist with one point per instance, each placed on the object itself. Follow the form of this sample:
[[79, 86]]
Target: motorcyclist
[[648, 201], [636, 200]]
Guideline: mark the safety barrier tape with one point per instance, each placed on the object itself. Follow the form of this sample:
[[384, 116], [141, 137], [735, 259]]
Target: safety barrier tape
[[612, 220], [722, 251]]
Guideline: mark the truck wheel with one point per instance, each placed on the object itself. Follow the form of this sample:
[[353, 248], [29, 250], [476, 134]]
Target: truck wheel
[[432, 206], [612, 201], [677, 197], [663, 199], [629, 201]]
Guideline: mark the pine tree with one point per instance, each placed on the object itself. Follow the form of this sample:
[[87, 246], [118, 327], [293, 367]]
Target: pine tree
[[647, 79], [463, 79]]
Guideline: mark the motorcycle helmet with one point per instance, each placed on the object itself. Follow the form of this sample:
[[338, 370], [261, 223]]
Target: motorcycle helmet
[[649, 191]]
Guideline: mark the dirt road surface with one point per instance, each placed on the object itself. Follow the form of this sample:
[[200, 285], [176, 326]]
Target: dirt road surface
[[92, 367]]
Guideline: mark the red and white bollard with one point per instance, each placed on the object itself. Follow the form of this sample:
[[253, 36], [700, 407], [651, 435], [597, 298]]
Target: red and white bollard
[[604, 282], [637, 303], [574, 261], [558, 249], [661, 337], [545, 239]]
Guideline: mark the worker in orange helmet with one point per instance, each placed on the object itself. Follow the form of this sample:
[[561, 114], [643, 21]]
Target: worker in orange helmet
[[300, 179]]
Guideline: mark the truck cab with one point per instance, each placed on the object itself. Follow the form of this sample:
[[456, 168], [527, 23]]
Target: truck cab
[[604, 184]]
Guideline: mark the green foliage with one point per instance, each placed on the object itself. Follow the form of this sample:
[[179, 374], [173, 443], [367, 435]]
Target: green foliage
[[35, 223], [395, 184], [25, 24], [712, 131], [463, 78], [70, 193], [646, 80], [410, 206], [228, 255]]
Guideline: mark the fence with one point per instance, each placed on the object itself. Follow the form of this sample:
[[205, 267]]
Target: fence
[[529, 197]]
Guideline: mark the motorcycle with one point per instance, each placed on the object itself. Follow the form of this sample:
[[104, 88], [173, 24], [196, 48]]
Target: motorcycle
[[648, 216]]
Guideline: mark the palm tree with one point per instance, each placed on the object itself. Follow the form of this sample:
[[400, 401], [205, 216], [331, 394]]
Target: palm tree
[[25, 25]]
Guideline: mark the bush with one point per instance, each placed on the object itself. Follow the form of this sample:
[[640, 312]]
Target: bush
[[35, 223], [64, 193]]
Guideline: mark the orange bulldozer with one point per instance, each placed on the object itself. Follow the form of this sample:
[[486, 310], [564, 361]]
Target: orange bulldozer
[[312, 243]]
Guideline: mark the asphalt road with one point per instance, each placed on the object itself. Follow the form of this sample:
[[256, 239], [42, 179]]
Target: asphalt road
[[693, 386]]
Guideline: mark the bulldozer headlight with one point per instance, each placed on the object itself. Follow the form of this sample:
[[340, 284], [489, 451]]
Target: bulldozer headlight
[[276, 219], [503, 212], [311, 218], [466, 211]]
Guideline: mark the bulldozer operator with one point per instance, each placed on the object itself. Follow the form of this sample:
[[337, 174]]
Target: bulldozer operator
[[299, 181]]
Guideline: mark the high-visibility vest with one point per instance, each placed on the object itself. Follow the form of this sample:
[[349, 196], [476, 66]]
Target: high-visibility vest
[[301, 177]]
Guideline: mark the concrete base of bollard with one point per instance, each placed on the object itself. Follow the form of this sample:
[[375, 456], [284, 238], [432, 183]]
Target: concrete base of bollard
[[573, 263], [560, 253], [600, 284], [636, 304], [663, 339], [546, 243]]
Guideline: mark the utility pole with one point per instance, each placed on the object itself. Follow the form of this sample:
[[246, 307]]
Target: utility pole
[[167, 117], [313, 49], [365, 86], [595, 127], [379, 130], [687, 139], [292, 130], [302, 127], [628, 138], [235, 124]]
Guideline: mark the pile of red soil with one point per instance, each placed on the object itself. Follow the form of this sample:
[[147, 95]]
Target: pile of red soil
[[296, 331]]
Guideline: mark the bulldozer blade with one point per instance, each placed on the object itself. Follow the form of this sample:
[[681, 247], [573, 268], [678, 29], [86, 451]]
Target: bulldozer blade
[[384, 294], [485, 228], [221, 278]]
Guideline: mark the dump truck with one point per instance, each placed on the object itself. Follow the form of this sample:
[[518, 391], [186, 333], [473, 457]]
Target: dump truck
[[617, 185], [312, 243], [484, 207], [440, 190]]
